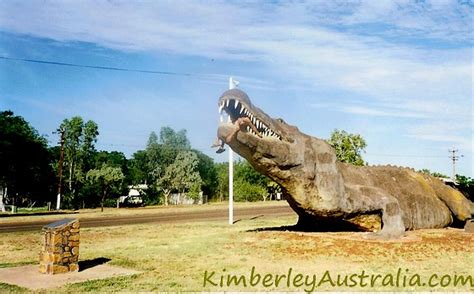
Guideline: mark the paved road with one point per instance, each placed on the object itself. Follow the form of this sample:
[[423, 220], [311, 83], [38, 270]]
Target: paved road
[[159, 217]]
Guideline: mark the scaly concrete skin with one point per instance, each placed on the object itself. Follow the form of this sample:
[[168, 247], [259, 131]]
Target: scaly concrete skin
[[330, 195]]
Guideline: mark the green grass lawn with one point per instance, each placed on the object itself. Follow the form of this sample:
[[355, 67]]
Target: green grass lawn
[[175, 257]]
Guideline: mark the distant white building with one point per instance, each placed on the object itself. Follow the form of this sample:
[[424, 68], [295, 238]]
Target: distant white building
[[134, 197], [182, 199]]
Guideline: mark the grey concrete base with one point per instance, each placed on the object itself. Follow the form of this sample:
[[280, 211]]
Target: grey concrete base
[[29, 277]]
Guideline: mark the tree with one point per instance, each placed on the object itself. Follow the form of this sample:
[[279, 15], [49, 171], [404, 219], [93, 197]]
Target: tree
[[154, 158], [113, 159], [137, 167], [249, 185], [78, 150], [161, 153], [348, 146], [466, 186], [433, 174], [24, 161], [108, 179], [245, 191], [243, 170], [222, 170], [170, 137], [182, 175], [208, 173]]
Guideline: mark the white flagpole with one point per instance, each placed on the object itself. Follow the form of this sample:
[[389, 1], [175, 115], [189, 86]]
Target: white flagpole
[[232, 85]]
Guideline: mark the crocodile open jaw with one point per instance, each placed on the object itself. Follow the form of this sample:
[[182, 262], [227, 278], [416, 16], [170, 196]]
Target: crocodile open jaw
[[236, 107]]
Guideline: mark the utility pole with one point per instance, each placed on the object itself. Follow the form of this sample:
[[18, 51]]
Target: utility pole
[[62, 131], [454, 158], [232, 84]]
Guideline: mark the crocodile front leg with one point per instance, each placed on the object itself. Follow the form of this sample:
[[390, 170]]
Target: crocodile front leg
[[392, 218]]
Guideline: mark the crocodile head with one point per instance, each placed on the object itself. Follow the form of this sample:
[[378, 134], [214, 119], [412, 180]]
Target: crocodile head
[[270, 153], [283, 153]]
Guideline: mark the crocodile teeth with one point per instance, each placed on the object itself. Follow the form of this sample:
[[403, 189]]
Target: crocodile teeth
[[236, 104], [221, 108], [242, 109], [227, 103]]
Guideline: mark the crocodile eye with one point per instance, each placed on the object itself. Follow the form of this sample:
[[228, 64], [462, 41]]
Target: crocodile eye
[[281, 120]]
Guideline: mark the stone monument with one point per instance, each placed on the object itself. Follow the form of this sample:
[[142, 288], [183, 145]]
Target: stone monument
[[60, 251]]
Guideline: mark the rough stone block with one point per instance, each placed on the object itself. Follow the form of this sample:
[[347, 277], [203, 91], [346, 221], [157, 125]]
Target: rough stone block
[[73, 267], [74, 237], [73, 243], [57, 239], [43, 268], [60, 251], [45, 257], [60, 269]]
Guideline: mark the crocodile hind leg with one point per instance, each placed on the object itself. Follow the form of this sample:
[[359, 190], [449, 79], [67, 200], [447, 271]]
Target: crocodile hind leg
[[369, 200], [392, 219]]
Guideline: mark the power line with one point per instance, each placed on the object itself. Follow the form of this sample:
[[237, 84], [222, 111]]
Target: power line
[[170, 73], [404, 155]]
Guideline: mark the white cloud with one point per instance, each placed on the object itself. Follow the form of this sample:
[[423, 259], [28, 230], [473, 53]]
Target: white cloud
[[377, 112], [408, 58], [444, 131]]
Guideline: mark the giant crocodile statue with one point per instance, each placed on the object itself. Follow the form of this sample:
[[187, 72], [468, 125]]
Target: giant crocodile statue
[[331, 195]]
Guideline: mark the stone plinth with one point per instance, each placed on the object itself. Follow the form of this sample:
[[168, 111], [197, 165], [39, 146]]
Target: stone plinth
[[60, 252]]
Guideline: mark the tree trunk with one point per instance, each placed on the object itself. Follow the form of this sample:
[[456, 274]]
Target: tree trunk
[[102, 202], [3, 196], [70, 175]]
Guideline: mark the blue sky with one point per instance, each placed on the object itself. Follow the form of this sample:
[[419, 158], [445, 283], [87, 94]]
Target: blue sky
[[399, 73]]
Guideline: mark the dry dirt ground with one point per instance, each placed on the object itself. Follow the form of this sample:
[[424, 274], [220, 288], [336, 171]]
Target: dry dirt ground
[[180, 256]]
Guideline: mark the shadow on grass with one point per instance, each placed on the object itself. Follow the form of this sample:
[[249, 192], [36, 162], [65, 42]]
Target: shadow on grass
[[90, 263], [292, 228], [252, 218], [322, 228]]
